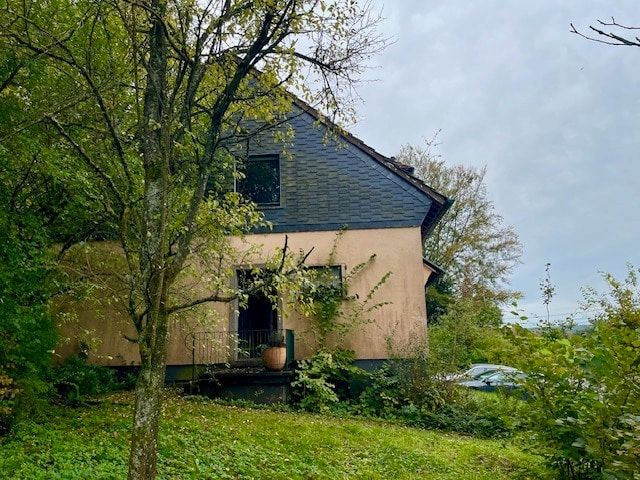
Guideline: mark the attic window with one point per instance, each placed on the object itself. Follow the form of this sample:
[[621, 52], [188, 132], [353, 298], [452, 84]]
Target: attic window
[[261, 182]]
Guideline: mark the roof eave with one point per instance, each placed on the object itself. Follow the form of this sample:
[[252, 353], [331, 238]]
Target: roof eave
[[437, 270]]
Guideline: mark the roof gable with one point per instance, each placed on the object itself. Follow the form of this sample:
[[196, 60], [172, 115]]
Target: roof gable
[[329, 182]]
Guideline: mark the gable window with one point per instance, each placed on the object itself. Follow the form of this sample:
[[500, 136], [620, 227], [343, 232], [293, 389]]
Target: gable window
[[261, 182]]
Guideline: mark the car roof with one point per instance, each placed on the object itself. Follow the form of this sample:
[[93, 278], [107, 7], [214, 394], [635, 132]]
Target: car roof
[[492, 365], [510, 370]]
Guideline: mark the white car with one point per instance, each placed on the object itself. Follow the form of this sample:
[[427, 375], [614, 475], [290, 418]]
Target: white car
[[491, 381], [476, 370]]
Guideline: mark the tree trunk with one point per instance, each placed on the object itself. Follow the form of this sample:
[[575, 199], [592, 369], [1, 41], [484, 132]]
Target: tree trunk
[[153, 331], [144, 438]]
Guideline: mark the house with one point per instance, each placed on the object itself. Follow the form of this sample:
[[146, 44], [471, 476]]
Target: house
[[319, 187]]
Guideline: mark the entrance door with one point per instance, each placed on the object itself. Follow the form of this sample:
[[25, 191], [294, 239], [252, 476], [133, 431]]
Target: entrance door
[[256, 321]]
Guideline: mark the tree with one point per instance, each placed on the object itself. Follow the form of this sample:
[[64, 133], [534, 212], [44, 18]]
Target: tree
[[469, 332], [149, 101], [37, 210], [470, 242]]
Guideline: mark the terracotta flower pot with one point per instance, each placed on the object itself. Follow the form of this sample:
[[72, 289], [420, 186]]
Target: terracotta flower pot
[[274, 358]]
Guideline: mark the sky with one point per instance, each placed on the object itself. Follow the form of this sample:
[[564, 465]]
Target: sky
[[554, 117]]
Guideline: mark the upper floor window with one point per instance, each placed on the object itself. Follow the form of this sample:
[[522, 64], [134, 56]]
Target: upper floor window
[[261, 182]]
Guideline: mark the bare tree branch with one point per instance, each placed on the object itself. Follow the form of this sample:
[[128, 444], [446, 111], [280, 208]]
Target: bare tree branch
[[609, 38]]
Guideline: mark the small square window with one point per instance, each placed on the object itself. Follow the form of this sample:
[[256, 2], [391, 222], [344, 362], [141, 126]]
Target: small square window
[[261, 182], [327, 277]]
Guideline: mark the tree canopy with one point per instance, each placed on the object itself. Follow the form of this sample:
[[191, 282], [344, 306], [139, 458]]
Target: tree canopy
[[141, 108], [471, 242]]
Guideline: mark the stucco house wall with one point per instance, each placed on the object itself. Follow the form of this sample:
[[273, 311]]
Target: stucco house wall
[[105, 327]]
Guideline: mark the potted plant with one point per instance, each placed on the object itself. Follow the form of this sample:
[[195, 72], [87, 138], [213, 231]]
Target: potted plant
[[274, 353]]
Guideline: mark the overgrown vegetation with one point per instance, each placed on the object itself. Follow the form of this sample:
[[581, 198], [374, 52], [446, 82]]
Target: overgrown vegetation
[[27, 332], [469, 332], [76, 380], [407, 390], [201, 439], [324, 380], [584, 410], [327, 300], [333, 311]]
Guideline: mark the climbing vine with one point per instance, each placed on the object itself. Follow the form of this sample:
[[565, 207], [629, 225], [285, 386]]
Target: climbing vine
[[333, 310]]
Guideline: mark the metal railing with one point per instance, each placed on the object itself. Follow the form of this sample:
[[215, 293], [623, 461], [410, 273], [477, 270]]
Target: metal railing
[[236, 347]]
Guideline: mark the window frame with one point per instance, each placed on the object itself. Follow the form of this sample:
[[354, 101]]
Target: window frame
[[338, 268], [262, 158]]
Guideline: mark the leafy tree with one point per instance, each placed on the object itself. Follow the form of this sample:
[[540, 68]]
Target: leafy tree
[[37, 210], [584, 406], [469, 332], [470, 242], [147, 104]]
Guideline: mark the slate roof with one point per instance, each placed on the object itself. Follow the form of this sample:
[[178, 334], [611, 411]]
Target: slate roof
[[440, 203]]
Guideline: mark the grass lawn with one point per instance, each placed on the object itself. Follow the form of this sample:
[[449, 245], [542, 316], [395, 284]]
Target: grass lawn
[[201, 439]]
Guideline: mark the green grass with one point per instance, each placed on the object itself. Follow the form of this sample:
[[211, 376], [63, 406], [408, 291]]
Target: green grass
[[201, 439]]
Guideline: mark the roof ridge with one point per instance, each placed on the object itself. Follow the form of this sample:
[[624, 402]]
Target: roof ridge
[[396, 167]]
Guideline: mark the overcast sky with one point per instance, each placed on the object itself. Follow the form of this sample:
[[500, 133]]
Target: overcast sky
[[555, 118]]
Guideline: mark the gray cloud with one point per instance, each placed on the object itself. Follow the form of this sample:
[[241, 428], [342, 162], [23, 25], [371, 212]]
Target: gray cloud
[[554, 117]]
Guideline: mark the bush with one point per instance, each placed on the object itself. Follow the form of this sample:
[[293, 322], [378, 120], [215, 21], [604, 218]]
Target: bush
[[406, 390], [584, 411], [77, 379], [470, 332], [27, 331], [398, 393], [8, 393], [324, 379]]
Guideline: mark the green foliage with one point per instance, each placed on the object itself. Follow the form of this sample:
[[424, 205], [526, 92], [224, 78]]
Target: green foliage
[[410, 390], [471, 242], [407, 391], [439, 295], [202, 439], [8, 393], [323, 380], [584, 411], [41, 214], [27, 331], [76, 380], [325, 299], [470, 332]]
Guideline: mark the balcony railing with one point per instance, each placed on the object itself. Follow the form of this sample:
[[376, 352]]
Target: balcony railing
[[242, 347]]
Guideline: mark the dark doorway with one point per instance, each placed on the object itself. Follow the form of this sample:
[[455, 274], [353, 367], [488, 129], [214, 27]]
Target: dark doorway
[[257, 320]]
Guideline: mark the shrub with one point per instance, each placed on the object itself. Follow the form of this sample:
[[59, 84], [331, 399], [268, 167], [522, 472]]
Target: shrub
[[584, 411], [27, 332], [324, 379], [397, 392], [77, 379], [470, 332], [8, 392]]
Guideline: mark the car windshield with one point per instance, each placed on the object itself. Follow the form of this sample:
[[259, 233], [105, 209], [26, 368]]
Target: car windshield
[[477, 371], [503, 376], [486, 374], [495, 377]]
